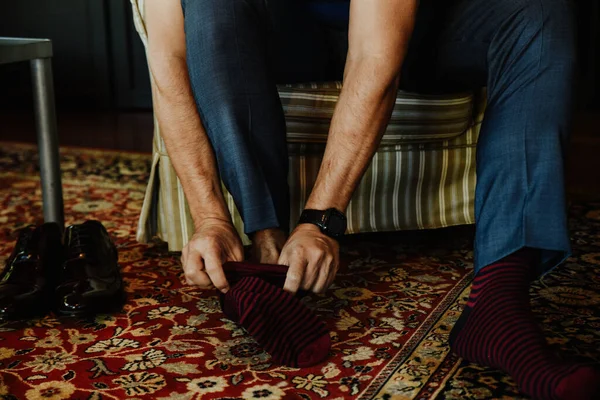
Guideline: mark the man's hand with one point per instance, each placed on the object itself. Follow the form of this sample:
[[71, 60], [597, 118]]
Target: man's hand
[[214, 243], [313, 259]]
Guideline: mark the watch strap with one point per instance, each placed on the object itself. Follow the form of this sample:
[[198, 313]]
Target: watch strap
[[316, 217], [324, 220]]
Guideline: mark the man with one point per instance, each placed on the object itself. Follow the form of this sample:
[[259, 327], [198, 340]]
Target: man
[[215, 65]]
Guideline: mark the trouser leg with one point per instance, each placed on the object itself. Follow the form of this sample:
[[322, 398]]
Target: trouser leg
[[523, 51], [229, 55]]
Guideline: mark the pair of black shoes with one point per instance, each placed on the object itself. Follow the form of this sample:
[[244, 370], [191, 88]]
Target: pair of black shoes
[[75, 274]]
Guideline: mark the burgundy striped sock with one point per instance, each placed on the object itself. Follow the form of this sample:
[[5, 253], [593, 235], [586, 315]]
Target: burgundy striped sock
[[273, 273], [497, 329], [278, 321]]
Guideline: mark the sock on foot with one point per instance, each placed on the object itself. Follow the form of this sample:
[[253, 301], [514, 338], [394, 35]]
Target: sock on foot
[[291, 333], [497, 329]]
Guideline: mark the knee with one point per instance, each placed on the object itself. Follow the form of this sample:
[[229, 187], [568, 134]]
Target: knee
[[550, 25], [206, 22], [541, 31]]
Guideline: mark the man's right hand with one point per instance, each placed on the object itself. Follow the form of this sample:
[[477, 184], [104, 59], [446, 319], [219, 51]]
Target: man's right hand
[[214, 243], [215, 240]]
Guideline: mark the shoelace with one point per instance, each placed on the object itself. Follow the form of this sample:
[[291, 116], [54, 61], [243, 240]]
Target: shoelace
[[79, 249], [79, 244]]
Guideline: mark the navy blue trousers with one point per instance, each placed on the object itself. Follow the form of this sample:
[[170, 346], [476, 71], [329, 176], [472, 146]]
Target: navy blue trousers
[[521, 50]]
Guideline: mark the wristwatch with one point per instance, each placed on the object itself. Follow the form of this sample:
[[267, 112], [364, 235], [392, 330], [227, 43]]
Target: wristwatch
[[331, 222]]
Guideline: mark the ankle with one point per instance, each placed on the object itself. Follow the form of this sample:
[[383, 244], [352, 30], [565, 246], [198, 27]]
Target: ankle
[[269, 235], [267, 245], [523, 262]]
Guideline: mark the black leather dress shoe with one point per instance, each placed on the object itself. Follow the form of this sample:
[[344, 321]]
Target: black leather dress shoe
[[27, 281], [89, 280]]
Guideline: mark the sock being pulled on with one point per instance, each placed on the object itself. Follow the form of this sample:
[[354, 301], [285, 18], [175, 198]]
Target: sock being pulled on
[[497, 329], [291, 333]]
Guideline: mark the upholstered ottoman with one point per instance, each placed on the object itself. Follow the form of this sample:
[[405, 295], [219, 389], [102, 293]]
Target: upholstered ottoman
[[422, 176]]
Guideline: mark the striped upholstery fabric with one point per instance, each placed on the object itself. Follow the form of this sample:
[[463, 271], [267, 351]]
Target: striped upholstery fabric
[[416, 118], [422, 176]]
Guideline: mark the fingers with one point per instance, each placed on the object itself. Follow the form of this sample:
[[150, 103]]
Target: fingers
[[334, 265], [194, 270], [322, 266], [213, 243], [320, 284], [184, 253], [312, 271], [295, 274], [313, 264], [323, 273], [238, 253], [184, 257], [214, 268], [332, 273]]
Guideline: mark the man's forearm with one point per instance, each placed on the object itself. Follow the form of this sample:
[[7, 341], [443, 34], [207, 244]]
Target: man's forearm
[[186, 140], [359, 121], [378, 37]]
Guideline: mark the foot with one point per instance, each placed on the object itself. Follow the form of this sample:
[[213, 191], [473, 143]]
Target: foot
[[497, 329], [267, 245], [278, 321]]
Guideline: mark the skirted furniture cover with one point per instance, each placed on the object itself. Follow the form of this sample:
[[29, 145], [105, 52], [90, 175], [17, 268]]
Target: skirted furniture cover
[[422, 176]]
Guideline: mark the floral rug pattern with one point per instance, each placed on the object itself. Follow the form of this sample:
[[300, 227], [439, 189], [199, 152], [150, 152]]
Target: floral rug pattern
[[390, 311]]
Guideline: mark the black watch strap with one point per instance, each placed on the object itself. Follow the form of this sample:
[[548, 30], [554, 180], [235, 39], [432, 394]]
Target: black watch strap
[[316, 217], [331, 222]]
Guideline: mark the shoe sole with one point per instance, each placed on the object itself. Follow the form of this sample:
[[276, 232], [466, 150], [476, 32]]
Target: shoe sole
[[23, 315], [106, 308]]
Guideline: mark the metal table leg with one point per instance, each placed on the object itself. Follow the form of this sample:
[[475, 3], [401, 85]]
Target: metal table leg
[[47, 137]]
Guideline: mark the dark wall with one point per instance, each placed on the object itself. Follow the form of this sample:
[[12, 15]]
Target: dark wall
[[131, 81], [98, 59], [588, 43]]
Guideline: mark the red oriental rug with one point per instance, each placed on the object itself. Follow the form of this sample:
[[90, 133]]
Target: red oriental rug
[[390, 311]]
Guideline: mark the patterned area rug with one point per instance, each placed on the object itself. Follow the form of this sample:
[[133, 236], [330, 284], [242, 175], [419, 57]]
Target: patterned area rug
[[390, 311]]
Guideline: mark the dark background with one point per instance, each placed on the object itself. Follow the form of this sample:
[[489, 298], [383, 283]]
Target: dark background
[[99, 61]]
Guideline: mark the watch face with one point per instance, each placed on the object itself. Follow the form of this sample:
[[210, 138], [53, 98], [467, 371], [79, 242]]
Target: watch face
[[336, 223]]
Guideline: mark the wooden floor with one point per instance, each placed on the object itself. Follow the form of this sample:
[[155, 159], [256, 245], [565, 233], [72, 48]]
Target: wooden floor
[[132, 131], [128, 131]]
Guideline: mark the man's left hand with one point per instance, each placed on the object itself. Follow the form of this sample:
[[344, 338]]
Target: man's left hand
[[313, 259]]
